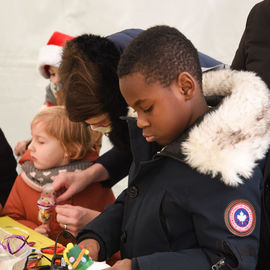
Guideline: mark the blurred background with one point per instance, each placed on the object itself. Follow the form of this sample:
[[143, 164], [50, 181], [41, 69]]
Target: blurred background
[[214, 26]]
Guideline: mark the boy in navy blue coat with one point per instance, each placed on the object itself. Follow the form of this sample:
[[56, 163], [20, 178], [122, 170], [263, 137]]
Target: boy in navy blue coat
[[195, 184]]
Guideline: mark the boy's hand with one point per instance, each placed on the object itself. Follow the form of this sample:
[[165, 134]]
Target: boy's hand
[[74, 217], [43, 229], [122, 265], [92, 246]]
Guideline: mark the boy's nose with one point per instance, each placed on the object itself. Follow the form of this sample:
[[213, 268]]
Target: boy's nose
[[142, 123]]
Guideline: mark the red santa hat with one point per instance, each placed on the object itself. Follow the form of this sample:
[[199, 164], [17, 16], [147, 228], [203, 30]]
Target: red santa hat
[[51, 54]]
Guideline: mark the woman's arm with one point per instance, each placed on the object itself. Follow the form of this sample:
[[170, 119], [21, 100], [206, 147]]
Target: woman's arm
[[111, 166]]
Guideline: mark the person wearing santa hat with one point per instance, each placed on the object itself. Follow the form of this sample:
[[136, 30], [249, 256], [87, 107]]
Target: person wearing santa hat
[[49, 60]]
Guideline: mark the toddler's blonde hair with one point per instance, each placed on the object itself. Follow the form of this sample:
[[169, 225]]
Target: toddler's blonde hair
[[74, 137]]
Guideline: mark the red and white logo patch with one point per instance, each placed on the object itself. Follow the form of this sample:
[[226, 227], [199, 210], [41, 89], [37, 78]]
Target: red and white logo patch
[[240, 217]]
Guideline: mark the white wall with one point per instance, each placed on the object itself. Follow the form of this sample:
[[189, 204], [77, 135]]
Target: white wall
[[214, 26]]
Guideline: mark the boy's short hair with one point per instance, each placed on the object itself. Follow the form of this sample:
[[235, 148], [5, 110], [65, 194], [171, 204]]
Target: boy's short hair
[[88, 73], [160, 53], [74, 137]]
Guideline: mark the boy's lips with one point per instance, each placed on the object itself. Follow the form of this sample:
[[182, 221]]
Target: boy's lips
[[149, 138]]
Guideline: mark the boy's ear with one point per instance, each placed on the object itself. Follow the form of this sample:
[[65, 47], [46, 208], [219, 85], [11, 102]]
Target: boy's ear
[[186, 85]]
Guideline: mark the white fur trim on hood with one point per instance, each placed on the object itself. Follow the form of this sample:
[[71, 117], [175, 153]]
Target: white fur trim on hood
[[229, 140], [132, 113], [50, 55]]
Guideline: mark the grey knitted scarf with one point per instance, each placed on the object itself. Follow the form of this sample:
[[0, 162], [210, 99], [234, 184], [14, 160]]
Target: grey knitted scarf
[[42, 177]]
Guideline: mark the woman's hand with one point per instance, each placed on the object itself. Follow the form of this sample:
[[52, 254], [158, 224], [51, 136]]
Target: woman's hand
[[74, 218], [68, 184], [71, 183]]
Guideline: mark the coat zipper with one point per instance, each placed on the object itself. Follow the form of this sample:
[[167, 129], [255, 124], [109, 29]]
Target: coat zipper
[[219, 264]]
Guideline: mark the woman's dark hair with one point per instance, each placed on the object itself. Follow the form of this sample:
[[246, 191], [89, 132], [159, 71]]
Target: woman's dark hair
[[88, 73]]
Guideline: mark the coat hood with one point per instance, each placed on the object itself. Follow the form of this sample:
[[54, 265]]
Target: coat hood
[[229, 140]]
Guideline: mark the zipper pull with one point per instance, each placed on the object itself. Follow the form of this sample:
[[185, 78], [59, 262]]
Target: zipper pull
[[219, 264]]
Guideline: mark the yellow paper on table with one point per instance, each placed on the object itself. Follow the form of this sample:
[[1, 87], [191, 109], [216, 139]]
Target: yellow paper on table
[[9, 225]]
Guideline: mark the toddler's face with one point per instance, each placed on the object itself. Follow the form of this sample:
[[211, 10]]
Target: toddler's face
[[163, 112], [45, 150]]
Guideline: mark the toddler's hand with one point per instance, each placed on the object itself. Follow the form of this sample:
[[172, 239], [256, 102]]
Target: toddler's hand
[[20, 148], [43, 229]]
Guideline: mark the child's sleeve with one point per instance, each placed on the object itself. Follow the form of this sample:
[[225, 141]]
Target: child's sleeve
[[14, 206]]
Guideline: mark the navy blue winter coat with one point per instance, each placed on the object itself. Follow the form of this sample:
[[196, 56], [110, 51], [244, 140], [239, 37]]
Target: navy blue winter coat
[[195, 204]]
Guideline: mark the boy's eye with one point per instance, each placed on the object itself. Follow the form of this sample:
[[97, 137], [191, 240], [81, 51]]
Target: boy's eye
[[148, 109]]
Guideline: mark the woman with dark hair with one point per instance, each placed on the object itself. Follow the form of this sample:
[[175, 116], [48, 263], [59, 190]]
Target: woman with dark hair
[[91, 95]]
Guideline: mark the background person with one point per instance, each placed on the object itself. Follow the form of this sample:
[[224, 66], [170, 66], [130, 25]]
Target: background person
[[8, 166], [253, 53], [49, 60]]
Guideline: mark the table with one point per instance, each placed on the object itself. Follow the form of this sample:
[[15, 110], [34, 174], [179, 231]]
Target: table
[[12, 226]]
